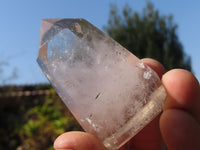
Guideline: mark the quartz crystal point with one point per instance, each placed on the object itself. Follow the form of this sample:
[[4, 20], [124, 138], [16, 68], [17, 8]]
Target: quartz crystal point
[[111, 93]]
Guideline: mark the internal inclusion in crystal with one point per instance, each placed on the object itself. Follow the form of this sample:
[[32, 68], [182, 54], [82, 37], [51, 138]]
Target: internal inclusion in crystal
[[111, 92]]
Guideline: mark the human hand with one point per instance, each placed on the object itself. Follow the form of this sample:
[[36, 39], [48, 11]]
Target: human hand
[[178, 125]]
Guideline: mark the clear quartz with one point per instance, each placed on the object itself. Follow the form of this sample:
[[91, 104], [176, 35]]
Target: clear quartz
[[111, 93]]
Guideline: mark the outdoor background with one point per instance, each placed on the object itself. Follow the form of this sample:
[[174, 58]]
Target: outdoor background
[[20, 28], [31, 113]]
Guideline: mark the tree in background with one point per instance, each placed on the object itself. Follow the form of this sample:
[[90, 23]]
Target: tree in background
[[148, 35]]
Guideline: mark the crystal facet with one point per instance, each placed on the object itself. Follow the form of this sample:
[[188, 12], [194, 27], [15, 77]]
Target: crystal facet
[[112, 94]]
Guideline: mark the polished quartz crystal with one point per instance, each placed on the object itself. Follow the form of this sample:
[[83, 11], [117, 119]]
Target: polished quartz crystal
[[111, 93]]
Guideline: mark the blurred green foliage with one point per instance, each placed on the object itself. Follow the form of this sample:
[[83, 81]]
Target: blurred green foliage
[[148, 34], [34, 122]]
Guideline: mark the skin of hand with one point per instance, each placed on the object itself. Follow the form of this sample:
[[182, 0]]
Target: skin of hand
[[178, 126]]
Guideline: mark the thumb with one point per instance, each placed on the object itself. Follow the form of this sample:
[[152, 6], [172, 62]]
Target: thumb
[[76, 140]]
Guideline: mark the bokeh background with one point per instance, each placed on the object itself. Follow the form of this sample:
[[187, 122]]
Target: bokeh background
[[20, 28], [31, 113]]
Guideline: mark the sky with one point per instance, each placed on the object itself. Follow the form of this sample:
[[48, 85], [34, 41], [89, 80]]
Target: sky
[[20, 29]]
